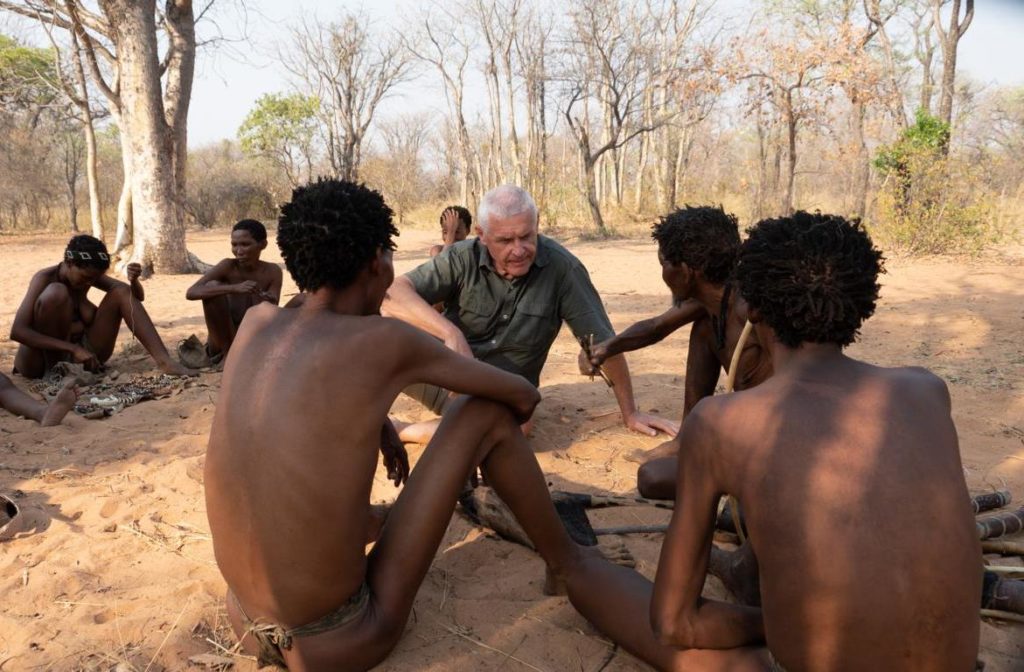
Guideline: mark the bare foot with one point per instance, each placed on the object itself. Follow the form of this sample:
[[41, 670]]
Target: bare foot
[[666, 449], [61, 404], [418, 432], [737, 570], [174, 368]]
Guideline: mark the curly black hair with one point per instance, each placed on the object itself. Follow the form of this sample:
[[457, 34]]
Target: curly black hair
[[706, 239], [330, 230], [462, 213], [255, 229], [813, 277], [85, 251]]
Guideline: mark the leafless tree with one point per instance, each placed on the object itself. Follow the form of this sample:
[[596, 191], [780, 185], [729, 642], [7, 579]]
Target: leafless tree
[[443, 42], [949, 39], [352, 71]]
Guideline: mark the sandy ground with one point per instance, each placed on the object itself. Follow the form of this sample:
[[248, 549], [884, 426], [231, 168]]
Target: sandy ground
[[119, 571]]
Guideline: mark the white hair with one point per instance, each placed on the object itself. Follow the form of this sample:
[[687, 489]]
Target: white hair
[[505, 201]]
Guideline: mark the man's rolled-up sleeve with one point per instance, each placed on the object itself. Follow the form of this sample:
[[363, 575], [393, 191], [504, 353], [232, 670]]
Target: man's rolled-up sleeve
[[437, 280], [581, 306]]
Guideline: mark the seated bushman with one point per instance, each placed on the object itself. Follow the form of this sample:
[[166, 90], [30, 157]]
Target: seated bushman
[[835, 462], [291, 463], [505, 295], [235, 285], [455, 223], [46, 414], [56, 322], [697, 249]]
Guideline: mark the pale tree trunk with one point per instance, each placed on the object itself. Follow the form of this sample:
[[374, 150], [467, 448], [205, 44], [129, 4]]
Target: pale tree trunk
[[95, 209], [180, 72], [949, 39], [124, 238], [861, 164], [790, 175], [159, 232]]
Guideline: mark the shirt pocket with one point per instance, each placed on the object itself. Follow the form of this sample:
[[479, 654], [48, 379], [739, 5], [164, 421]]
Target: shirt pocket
[[476, 312], [535, 325]]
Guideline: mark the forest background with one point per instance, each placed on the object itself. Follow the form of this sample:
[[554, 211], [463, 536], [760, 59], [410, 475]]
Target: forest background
[[610, 112]]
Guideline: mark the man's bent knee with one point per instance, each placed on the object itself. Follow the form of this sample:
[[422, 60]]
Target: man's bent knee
[[55, 294], [656, 479]]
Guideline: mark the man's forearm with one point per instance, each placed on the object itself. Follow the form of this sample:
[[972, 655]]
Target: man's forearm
[[617, 371], [635, 337], [403, 303]]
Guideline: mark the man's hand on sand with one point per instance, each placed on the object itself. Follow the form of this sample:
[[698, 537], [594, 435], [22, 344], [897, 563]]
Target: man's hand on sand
[[648, 424], [396, 460]]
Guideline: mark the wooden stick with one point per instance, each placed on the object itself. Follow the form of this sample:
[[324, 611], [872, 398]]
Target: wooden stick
[[1001, 524], [632, 529], [587, 344], [732, 503], [1002, 547], [1005, 615]]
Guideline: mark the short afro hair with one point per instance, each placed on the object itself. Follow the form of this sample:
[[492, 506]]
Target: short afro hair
[[85, 251], [813, 277], [706, 239], [462, 213], [330, 230], [255, 229]]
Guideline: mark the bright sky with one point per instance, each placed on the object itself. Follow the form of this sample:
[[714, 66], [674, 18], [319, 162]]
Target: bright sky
[[229, 80]]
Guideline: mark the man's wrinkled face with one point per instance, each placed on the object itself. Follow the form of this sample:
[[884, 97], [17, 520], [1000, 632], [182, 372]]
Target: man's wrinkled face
[[678, 278], [512, 243]]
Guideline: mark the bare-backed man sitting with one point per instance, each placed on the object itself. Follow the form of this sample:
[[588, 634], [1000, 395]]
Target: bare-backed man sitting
[[506, 294]]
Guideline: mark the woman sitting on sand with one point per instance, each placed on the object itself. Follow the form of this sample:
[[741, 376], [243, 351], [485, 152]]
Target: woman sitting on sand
[[56, 322]]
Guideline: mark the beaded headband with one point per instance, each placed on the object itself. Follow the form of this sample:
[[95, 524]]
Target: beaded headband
[[75, 255]]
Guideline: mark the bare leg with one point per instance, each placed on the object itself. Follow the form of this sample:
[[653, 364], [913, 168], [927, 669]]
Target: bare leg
[[656, 479], [621, 610], [53, 315], [220, 327], [738, 572], [19, 403], [118, 305], [423, 432], [475, 431]]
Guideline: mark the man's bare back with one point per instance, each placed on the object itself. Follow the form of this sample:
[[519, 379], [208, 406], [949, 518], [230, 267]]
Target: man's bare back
[[841, 468], [309, 420], [846, 472]]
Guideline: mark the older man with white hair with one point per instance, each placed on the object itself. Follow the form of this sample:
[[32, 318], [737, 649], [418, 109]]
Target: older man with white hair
[[506, 294]]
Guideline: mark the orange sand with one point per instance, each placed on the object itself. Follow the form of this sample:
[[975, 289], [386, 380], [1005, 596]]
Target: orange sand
[[120, 572]]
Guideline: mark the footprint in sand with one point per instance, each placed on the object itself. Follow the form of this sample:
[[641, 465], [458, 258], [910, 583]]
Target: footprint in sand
[[109, 508]]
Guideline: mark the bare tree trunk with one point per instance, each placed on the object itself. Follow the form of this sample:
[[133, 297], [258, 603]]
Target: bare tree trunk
[[790, 175], [181, 65], [159, 231], [949, 39], [861, 165], [124, 237], [95, 208]]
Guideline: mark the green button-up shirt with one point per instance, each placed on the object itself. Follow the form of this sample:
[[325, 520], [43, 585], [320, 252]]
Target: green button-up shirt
[[512, 323]]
